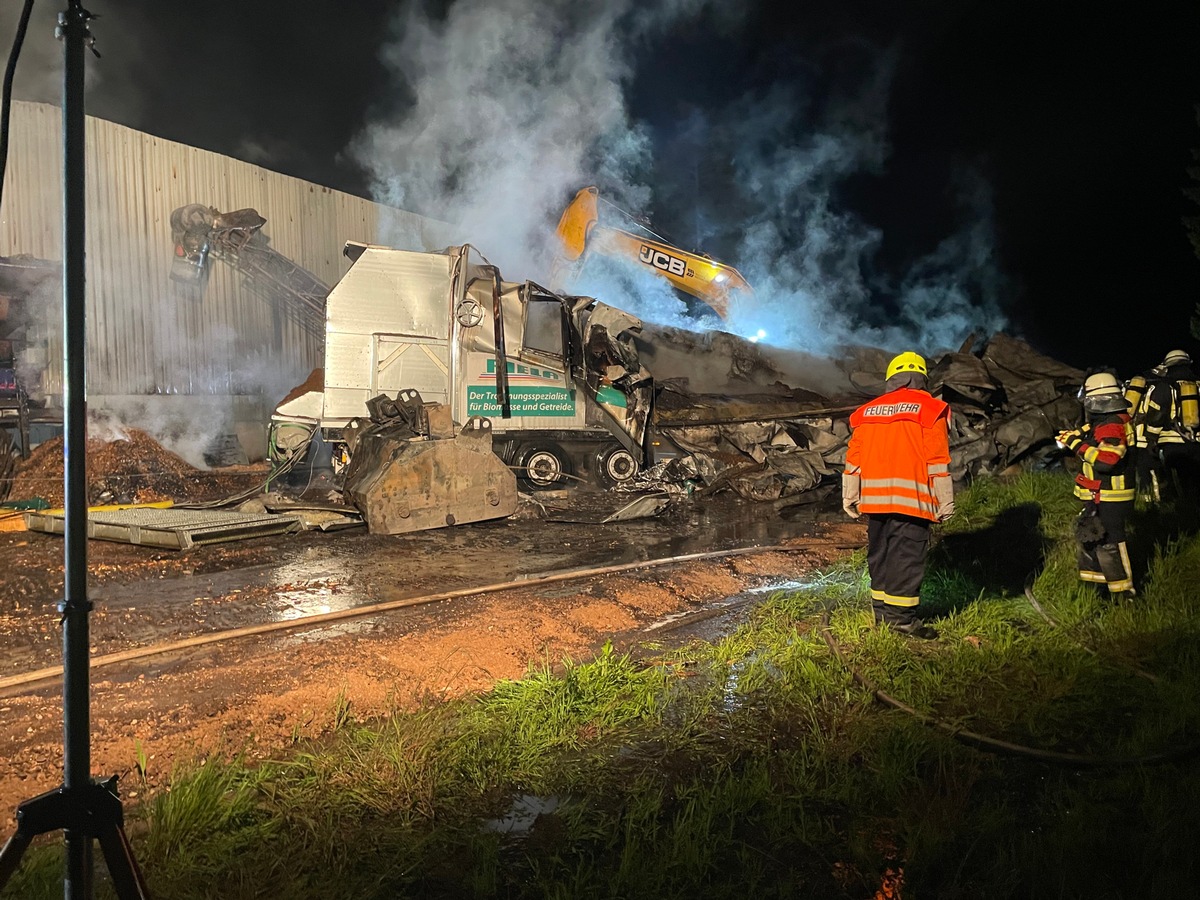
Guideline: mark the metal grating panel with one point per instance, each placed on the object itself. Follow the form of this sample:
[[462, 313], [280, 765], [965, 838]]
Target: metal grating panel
[[174, 529]]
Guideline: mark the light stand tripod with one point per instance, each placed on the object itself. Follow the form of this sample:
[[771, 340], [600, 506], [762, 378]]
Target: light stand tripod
[[82, 808]]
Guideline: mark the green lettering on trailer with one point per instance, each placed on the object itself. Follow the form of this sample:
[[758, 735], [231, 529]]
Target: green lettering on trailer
[[522, 400]]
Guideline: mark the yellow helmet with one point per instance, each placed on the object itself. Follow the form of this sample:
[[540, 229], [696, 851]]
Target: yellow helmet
[[906, 362], [1175, 357]]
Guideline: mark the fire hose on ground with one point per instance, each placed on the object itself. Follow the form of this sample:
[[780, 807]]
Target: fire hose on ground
[[996, 745], [1033, 601], [966, 736], [319, 619]]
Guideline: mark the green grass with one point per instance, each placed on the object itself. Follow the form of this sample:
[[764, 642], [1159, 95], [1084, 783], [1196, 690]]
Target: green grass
[[755, 766]]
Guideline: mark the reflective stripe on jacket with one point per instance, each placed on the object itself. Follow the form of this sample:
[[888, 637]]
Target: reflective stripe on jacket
[[1166, 411], [1179, 415], [898, 445], [1103, 451]]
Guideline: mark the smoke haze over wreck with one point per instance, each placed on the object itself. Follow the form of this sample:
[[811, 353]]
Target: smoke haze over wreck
[[515, 105], [989, 182]]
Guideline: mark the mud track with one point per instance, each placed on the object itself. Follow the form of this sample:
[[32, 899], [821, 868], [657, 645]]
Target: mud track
[[260, 694]]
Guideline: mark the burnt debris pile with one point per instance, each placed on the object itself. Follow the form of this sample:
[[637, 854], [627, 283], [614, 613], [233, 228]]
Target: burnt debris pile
[[1008, 403], [777, 428], [764, 446]]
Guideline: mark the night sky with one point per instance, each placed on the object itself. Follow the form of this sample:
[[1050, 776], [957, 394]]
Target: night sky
[[1076, 121]]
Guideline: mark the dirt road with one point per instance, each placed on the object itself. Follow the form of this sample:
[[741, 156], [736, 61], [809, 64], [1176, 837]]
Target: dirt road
[[260, 694]]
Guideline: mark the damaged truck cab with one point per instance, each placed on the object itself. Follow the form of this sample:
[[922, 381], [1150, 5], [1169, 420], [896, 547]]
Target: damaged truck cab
[[557, 377]]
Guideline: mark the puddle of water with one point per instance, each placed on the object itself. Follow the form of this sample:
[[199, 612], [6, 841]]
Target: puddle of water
[[524, 811], [297, 602], [328, 632], [734, 693], [344, 570], [779, 586], [731, 696], [667, 620]]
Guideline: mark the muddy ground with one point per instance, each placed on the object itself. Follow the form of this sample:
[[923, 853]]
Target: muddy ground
[[262, 693]]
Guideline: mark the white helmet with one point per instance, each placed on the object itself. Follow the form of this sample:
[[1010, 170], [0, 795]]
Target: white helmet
[[1174, 358], [1101, 393]]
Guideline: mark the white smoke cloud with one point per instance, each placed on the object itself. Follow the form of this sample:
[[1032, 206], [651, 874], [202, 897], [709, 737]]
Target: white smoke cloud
[[190, 366], [958, 288], [515, 105], [812, 261], [199, 366], [112, 80]]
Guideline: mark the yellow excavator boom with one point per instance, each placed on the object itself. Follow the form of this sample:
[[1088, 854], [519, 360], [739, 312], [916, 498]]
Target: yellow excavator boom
[[580, 235]]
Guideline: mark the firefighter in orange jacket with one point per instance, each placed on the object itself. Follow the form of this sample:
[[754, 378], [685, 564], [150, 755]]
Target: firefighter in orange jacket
[[898, 473], [1105, 485]]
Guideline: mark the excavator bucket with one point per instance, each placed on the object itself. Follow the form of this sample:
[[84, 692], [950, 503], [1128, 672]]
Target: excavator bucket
[[403, 483]]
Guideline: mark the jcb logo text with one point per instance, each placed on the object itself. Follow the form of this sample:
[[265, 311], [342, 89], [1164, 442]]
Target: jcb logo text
[[665, 261]]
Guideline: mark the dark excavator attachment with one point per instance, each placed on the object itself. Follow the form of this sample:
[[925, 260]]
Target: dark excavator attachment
[[411, 472]]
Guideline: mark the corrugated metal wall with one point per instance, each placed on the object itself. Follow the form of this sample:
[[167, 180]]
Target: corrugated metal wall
[[146, 334]]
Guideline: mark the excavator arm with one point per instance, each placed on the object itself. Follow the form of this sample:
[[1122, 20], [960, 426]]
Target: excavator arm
[[201, 233], [581, 235]]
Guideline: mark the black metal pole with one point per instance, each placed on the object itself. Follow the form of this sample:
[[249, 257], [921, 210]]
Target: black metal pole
[[85, 810], [77, 766]]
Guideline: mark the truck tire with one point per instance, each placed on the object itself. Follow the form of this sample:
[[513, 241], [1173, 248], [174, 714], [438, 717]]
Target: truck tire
[[541, 467], [614, 466]]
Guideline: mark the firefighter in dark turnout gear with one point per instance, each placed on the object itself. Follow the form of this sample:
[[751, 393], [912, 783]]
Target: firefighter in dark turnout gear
[[898, 473], [1146, 464], [1103, 485], [1165, 406]]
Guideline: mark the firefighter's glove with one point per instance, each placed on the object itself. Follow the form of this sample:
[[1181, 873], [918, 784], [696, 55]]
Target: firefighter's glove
[[850, 495], [943, 493], [1070, 440]]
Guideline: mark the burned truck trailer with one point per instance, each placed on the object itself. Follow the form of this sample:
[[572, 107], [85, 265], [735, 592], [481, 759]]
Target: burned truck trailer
[[557, 377]]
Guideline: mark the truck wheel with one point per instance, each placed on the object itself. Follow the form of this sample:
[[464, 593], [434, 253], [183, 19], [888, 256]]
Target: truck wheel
[[614, 466], [541, 466]]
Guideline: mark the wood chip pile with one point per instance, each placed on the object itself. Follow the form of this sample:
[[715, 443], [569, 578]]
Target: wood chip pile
[[135, 470]]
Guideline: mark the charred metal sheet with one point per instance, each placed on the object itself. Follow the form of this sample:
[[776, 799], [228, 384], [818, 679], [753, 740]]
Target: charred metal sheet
[[174, 529], [675, 405], [1012, 362], [1007, 402], [643, 507], [323, 520], [802, 469], [1006, 405], [601, 509], [781, 474], [1035, 393], [970, 449], [623, 387], [963, 376], [315, 516], [1018, 434]]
